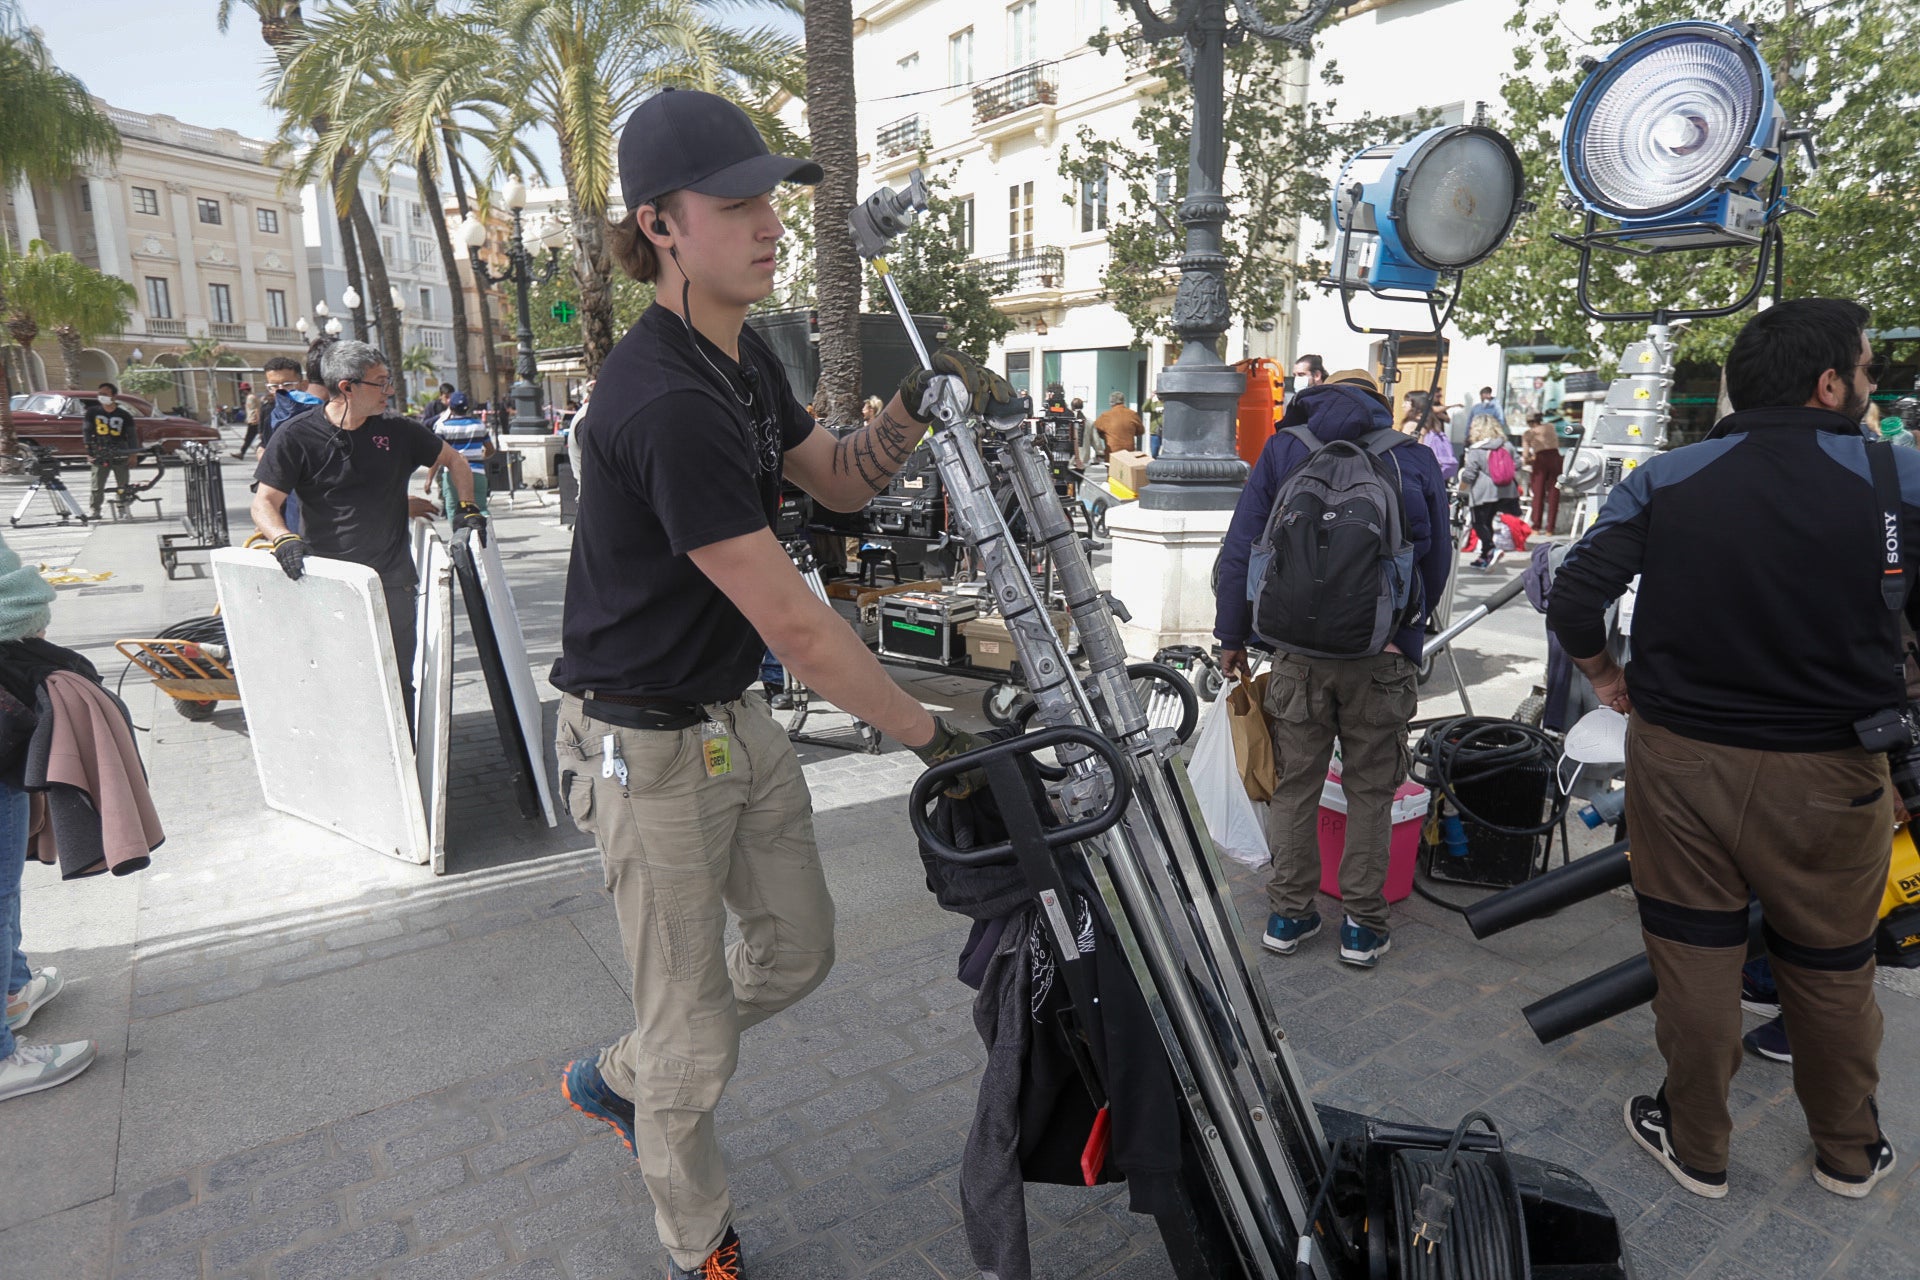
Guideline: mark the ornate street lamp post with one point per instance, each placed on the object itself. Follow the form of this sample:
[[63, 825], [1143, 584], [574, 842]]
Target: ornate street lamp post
[[527, 417], [1197, 468]]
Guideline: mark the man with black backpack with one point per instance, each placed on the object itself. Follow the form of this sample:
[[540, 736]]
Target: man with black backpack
[[1337, 548]]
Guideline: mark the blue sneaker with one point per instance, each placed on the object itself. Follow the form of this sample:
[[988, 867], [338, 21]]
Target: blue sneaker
[[1361, 945], [1769, 1040], [590, 1096], [1285, 933]]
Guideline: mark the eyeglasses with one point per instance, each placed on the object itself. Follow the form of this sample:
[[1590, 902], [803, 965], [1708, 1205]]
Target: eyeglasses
[[1877, 368], [385, 384], [288, 385]]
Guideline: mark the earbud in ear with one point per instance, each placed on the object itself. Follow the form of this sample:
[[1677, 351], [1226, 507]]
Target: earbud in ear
[[660, 226]]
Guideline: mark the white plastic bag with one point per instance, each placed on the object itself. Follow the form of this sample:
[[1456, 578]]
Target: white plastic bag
[[1236, 823]]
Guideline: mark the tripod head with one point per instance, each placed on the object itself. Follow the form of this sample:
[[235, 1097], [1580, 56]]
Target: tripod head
[[39, 460], [883, 217]]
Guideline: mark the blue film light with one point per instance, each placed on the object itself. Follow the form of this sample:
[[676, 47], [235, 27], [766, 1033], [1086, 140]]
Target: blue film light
[[1676, 137], [1440, 202]]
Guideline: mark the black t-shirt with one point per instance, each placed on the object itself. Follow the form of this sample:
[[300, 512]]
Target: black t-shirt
[[110, 433], [352, 485], [671, 460]]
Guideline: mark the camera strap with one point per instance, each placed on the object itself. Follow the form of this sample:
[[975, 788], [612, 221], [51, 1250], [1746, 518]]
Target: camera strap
[[1895, 580]]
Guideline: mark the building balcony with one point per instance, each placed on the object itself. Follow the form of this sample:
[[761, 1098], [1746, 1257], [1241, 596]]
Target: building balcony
[[285, 333], [903, 137], [1033, 277], [230, 332], [166, 328], [1016, 105]]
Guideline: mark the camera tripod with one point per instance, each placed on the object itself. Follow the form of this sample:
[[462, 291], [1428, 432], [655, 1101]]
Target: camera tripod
[[45, 469]]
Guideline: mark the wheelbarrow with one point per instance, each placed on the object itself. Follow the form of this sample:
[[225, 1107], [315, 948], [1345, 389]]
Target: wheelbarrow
[[196, 674]]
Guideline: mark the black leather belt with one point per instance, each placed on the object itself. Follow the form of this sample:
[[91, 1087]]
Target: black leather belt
[[630, 711]]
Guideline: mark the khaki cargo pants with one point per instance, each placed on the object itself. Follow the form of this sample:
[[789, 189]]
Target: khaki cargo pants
[[681, 850], [1367, 702], [1808, 833]]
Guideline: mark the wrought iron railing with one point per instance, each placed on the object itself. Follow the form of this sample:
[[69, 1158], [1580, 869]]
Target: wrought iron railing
[[903, 137], [1025, 271], [1034, 83]]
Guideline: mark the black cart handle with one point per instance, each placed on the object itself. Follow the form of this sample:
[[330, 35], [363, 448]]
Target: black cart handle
[[1001, 763]]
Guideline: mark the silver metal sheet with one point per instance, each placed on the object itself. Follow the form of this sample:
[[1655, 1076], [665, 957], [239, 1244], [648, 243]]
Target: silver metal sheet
[[321, 688], [434, 717], [513, 656]]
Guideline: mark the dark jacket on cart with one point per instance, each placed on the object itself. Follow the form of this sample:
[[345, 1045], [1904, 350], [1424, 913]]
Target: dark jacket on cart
[[1335, 411], [1034, 1114]]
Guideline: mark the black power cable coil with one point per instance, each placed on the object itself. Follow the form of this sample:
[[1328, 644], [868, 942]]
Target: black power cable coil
[[1482, 1229], [1469, 749]]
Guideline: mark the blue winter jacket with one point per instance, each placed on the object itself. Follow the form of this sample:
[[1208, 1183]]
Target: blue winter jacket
[[1335, 411]]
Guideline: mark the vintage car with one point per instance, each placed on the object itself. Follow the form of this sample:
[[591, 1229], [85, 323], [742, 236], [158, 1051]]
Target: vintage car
[[52, 418]]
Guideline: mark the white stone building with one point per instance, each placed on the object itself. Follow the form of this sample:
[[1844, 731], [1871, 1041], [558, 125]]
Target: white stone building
[[414, 267], [194, 219], [994, 92]]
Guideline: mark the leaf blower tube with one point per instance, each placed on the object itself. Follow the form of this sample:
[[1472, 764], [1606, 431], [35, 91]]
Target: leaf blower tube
[[1607, 993], [1436, 643], [1583, 878]]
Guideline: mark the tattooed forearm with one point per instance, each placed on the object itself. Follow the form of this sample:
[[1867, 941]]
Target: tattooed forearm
[[873, 454]]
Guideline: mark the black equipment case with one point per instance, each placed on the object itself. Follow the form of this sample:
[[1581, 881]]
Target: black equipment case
[[925, 627]]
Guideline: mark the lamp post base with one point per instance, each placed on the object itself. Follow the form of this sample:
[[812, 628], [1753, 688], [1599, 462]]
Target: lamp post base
[[527, 419], [1163, 570], [1197, 468]]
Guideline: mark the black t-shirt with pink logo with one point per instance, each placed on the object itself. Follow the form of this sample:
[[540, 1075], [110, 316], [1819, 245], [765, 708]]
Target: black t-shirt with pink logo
[[352, 486]]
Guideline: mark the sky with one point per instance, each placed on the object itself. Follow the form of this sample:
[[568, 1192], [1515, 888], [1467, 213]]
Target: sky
[[167, 57]]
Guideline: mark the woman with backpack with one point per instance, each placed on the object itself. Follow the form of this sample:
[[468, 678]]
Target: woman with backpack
[[1490, 476]]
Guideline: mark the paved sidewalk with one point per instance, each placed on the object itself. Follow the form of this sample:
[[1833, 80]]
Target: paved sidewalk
[[319, 1062]]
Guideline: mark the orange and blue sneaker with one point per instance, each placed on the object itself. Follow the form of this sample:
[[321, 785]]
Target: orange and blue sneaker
[[722, 1264], [590, 1096]]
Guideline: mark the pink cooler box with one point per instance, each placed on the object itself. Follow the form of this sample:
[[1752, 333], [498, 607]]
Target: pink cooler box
[[1409, 811]]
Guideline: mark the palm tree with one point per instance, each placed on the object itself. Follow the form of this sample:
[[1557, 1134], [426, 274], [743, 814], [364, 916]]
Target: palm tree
[[48, 123], [283, 28], [89, 304], [581, 66], [31, 286], [837, 272], [419, 359], [205, 352], [412, 90]]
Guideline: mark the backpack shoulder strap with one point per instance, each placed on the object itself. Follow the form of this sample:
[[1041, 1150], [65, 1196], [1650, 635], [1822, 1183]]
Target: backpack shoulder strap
[[1381, 439], [1305, 437]]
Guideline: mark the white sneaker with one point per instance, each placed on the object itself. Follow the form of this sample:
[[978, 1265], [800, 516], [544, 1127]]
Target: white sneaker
[[24, 1003], [33, 1067]]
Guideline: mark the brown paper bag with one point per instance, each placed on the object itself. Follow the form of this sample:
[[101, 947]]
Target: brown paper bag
[[1252, 737]]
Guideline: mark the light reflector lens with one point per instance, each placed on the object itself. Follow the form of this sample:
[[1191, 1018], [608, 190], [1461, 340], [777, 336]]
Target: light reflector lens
[[1664, 125], [1458, 199]]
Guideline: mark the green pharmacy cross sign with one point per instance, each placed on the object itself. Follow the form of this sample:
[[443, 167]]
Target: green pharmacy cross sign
[[564, 312]]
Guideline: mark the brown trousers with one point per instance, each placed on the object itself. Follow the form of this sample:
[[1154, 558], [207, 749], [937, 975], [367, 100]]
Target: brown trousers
[[681, 851], [1806, 833], [1367, 702], [1544, 481]]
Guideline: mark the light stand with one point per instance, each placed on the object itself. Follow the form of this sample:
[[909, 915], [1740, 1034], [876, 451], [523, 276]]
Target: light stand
[[522, 274]]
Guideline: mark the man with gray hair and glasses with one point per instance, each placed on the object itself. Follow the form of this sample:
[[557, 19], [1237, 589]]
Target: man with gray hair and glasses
[[349, 462]]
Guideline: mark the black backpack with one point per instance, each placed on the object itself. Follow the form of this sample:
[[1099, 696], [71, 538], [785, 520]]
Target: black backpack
[[1332, 573]]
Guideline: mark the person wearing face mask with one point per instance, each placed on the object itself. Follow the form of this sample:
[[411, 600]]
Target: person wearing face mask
[[1775, 561], [111, 439], [1308, 371]]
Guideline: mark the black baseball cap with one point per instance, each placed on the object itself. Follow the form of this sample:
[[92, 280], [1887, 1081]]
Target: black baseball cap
[[686, 140]]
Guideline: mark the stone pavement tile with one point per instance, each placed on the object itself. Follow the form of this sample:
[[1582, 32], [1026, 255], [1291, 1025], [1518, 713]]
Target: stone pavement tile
[[626, 1249], [568, 1216], [394, 1193], [828, 1204], [74, 1244], [278, 1233], [313, 1181], [186, 1227], [905, 1220], [811, 1260], [846, 1103], [915, 1164], [1086, 1247], [537, 1142], [471, 1207], [318, 1033], [1675, 1235], [821, 1157], [1783, 1245], [1876, 1257], [585, 1164], [358, 1253], [457, 1133], [460, 1260]]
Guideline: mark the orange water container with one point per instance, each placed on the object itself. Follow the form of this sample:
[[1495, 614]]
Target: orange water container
[[1260, 406]]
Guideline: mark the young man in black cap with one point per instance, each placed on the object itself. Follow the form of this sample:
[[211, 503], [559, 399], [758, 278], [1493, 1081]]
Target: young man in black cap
[[675, 589]]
